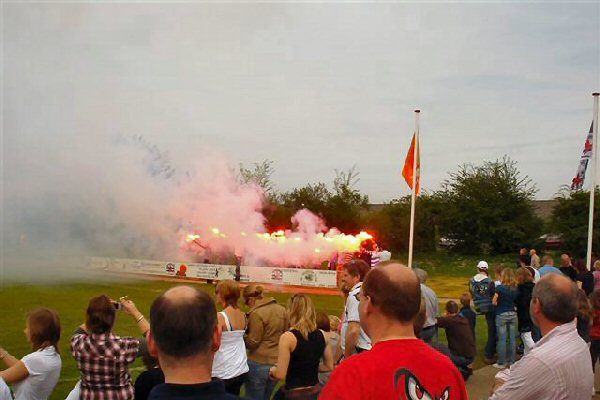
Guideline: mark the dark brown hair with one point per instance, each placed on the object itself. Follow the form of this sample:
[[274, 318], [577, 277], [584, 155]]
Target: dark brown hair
[[451, 307], [583, 305], [100, 314], [44, 328], [323, 322], [229, 291], [595, 300], [357, 268], [580, 266], [183, 327], [397, 300]]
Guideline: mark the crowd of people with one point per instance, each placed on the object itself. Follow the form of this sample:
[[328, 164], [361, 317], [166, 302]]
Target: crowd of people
[[384, 346]]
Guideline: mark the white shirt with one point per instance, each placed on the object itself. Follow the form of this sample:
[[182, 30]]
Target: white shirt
[[44, 369], [4, 391], [432, 307], [351, 315], [559, 367], [230, 360]]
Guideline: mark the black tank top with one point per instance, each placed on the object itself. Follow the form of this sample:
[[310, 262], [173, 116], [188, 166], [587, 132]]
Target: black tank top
[[304, 360]]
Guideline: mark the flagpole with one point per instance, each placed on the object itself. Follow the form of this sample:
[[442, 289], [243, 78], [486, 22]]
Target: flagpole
[[593, 184], [414, 190]]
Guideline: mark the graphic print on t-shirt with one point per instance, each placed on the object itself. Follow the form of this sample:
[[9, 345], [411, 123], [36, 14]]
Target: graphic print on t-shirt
[[412, 388]]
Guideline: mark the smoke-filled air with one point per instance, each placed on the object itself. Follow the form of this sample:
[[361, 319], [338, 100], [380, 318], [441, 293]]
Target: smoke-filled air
[[125, 197]]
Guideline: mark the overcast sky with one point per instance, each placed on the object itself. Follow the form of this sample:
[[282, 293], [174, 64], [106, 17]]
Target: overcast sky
[[312, 87]]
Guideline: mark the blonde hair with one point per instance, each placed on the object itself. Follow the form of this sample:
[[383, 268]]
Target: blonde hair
[[597, 265], [229, 290], [302, 314], [334, 321], [508, 278]]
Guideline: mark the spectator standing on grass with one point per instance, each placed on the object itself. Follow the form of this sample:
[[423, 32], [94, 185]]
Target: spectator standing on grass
[[535, 259], [267, 321], [102, 357], [506, 319], [558, 367], [231, 362], [585, 278], [467, 312], [584, 314], [399, 365], [34, 376], [498, 274], [567, 267], [332, 337], [432, 307], [548, 267], [596, 273], [300, 352], [185, 335], [482, 289], [595, 330], [461, 340], [525, 287], [353, 338]]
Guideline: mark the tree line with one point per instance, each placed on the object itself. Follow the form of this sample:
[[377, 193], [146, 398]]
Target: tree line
[[480, 209]]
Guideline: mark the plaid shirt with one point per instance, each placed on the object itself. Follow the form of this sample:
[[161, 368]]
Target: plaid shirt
[[102, 360]]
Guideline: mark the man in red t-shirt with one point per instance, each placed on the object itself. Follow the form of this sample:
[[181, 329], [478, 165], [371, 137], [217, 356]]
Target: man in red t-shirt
[[399, 366]]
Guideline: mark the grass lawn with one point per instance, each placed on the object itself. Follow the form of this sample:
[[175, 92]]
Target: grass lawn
[[70, 300]]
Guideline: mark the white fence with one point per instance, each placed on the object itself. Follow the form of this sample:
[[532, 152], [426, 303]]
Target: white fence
[[272, 275]]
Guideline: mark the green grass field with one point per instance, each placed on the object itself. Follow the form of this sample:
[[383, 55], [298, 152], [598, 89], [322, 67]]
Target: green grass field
[[448, 276], [70, 300]]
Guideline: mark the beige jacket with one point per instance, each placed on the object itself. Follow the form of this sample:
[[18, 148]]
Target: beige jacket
[[267, 320]]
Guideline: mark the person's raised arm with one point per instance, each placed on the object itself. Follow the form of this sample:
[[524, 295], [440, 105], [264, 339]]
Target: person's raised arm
[[130, 309]]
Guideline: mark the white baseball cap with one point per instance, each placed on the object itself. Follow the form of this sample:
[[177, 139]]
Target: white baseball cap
[[482, 265]]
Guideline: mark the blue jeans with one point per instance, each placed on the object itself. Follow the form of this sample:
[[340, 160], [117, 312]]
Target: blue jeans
[[506, 325], [258, 384]]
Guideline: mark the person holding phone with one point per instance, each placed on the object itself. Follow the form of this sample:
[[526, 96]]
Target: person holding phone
[[102, 357]]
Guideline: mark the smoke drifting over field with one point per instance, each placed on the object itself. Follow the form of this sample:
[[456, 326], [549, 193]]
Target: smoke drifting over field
[[124, 197]]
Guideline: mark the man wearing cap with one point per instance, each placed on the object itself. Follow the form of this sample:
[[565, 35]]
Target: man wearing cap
[[482, 290]]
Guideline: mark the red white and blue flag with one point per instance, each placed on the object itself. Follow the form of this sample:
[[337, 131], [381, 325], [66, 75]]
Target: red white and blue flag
[[577, 183]]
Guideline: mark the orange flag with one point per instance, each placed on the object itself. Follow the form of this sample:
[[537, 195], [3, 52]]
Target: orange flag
[[407, 171]]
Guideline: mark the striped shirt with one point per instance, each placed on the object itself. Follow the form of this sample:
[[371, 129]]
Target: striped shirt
[[559, 367]]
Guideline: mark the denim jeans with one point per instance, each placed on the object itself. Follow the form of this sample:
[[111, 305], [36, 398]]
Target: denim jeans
[[490, 346], [258, 384], [506, 326]]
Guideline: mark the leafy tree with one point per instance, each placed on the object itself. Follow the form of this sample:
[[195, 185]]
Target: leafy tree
[[570, 219], [391, 223], [489, 207], [313, 197], [259, 175], [345, 206]]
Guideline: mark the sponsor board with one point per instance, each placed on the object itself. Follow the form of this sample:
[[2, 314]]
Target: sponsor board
[[272, 275]]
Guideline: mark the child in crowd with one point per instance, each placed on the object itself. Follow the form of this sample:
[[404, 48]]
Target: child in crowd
[[467, 312], [498, 274]]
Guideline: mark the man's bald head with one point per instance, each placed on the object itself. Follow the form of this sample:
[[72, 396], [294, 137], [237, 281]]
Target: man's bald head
[[182, 322], [395, 290], [557, 295]]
